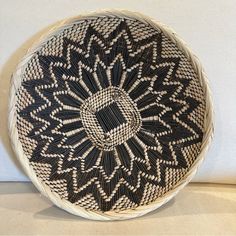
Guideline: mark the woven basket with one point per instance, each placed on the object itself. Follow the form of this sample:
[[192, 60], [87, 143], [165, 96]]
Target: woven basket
[[110, 115]]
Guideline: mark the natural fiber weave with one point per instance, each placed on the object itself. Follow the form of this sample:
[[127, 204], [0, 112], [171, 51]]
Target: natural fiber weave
[[110, 115]]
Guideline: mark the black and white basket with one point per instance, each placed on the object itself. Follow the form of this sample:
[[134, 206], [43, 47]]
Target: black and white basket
[[110, 115]]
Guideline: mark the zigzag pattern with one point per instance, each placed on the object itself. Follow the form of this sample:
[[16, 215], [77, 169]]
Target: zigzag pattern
[[113, 120]]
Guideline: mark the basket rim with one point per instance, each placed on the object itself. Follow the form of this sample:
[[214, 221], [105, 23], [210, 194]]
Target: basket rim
[[42, 187]]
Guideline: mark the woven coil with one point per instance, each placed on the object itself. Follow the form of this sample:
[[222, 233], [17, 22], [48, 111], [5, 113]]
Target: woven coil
[[110, 115]]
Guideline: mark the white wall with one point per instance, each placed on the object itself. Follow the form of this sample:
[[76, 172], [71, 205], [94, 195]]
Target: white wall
[[208, 26]]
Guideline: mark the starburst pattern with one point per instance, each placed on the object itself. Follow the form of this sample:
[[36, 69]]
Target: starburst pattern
[[108, 114]]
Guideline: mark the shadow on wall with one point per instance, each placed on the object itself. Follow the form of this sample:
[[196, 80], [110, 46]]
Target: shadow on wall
[[5, 77]]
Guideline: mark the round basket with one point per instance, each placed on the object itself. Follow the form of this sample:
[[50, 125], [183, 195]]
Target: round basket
[[110, 115]]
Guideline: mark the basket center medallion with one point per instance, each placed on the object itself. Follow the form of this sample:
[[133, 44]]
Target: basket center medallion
[[110, 118]]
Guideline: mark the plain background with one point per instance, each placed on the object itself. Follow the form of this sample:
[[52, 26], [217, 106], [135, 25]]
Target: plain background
[[208, 26]]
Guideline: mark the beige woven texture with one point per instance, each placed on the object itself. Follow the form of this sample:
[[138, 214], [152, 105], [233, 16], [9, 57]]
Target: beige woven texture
[[141, 210]]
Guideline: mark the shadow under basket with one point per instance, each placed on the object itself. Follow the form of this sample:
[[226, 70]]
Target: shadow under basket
[[110, 114]]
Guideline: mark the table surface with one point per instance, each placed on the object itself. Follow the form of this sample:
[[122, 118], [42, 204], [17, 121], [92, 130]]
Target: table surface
[[199, 209]]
